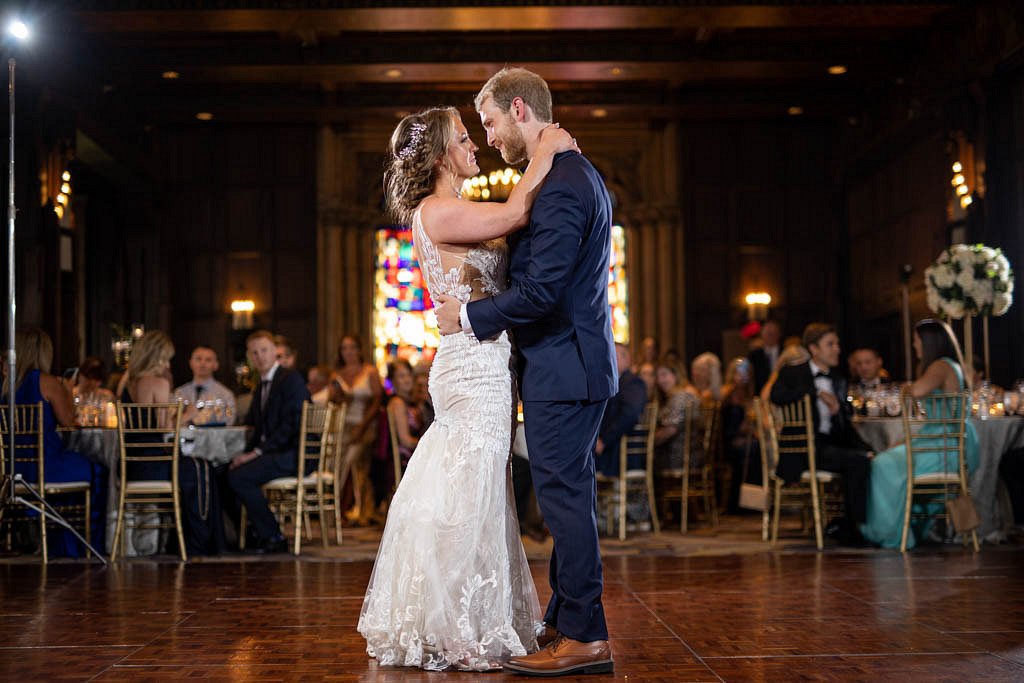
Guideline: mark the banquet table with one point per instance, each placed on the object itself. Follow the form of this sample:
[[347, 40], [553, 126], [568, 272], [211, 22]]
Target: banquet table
[[996, 435], [214, 444]]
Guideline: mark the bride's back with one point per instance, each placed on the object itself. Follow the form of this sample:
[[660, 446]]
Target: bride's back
[[466, 272]]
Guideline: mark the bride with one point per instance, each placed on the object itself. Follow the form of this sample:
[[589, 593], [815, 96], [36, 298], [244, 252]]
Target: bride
[[451, 586]]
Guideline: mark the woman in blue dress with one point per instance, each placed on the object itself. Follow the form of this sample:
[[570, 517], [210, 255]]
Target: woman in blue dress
[[35, 384], [939, 356]]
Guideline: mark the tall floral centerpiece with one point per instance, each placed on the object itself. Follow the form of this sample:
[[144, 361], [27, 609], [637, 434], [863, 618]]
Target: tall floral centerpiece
[[969, 280]]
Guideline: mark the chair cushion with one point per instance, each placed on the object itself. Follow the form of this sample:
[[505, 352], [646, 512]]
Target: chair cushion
[[67, 486], [937, 478], [676, 472], [823, 476], [289, 482], [143, 486]]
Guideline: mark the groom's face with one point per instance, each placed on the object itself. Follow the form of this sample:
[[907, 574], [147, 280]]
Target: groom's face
[[503, 132]]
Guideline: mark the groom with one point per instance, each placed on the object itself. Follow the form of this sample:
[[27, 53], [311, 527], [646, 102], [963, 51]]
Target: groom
[[558, 306]]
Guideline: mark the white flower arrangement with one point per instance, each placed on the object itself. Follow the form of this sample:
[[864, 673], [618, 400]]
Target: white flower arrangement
[[969, 279]]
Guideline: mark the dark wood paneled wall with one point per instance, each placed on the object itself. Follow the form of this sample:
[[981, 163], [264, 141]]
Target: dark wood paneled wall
[[896, 216], [237, 219], [758, 205]]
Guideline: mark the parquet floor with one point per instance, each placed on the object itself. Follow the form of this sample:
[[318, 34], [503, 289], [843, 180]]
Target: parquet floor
[[938, 614]]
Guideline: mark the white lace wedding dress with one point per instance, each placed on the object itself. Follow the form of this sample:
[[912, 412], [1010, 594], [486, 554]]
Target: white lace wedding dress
[[451, 586]]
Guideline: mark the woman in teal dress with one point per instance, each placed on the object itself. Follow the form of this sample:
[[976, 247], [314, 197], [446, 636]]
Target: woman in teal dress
[[939, 355]]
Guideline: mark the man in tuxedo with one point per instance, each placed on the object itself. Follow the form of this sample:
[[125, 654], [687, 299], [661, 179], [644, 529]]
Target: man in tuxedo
[[838, 447], [764, 357], [275, 415]]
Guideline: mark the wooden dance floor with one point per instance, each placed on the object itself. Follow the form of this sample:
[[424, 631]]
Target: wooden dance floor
[[936, 614]]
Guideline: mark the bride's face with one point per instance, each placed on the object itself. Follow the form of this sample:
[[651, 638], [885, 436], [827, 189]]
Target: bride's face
[[461, 156]]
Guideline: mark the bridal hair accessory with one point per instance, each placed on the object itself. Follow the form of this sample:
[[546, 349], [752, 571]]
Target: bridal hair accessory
[[415, 135]]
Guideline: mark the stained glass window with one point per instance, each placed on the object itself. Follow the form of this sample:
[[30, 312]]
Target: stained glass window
[[618, 286], [404, 325]]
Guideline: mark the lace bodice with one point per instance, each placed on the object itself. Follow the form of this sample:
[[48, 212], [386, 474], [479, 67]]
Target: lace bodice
[[482, 270]]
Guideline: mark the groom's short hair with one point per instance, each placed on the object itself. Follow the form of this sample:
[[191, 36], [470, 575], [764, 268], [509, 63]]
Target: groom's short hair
[[513, 82]]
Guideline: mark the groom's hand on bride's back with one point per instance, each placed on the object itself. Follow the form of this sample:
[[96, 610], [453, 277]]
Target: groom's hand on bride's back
[[447, 310]]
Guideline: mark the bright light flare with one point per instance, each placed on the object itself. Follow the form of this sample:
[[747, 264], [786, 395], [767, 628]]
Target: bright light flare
[[19, 30]]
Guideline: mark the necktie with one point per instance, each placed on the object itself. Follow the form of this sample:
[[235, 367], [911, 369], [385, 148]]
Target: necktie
[[264, 394], [199, 392], [822, 374]]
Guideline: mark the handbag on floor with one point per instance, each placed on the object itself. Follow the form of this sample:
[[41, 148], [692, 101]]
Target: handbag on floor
[[752, 496], [962, 513]]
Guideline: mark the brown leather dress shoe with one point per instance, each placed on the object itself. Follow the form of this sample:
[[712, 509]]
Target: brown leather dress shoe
[[547, 637], [565, 657]]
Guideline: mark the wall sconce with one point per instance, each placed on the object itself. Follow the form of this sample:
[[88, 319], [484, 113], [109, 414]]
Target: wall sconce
[[241, 314], [757, 305]]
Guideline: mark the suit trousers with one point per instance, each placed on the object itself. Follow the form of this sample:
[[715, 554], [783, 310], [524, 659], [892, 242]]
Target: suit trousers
[[560, 437], [853, 465], [245, 481]]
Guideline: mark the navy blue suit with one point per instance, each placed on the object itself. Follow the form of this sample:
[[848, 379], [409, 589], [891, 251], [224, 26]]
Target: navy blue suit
[[276, 433], [557, 305]]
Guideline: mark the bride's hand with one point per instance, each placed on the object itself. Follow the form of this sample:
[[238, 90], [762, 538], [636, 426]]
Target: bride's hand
[[554, 140]]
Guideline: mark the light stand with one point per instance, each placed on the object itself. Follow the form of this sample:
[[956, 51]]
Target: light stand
[[905, 271], [13, 483]]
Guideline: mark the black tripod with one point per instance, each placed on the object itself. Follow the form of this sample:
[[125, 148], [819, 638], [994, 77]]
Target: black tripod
[[12, 483]]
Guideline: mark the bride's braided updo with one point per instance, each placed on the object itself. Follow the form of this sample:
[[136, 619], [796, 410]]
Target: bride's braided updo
[[419, 141]]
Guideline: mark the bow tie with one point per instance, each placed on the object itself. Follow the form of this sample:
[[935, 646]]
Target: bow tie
[[822, 374]]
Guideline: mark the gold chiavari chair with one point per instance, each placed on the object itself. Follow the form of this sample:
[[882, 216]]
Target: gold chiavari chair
[[939, 434], [614, 491], [693, 480], [794, 433], [148, 433], [28, 428], [396, 451], [767, 442], [297, 497]]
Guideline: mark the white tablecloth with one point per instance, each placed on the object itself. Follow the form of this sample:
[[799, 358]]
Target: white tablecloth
[[216, 444], [996, 436]]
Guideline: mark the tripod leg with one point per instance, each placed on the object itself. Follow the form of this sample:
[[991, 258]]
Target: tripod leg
[[46, 510]]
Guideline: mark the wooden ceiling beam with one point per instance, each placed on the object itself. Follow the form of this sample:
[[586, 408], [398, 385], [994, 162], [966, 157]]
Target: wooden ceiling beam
[[532, 18]]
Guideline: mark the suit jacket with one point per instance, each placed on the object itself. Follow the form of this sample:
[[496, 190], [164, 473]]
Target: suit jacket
[[558, 298], [762, 367], [795, 382], [276, 427], [620, 417]]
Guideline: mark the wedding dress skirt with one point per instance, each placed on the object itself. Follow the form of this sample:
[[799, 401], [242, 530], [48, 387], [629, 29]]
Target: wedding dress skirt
[[451, 586]]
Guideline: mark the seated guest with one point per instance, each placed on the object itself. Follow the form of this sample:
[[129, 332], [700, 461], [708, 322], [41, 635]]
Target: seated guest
[[34, 383], [90, 381], [272, 448], [648, 373], [673, 402], [421, 392], [403, 412], [1011, 469], [620, 416], [203, 387], [979, 380], [764, 358], [838, 447], [939, 355], [706, 377], [867, 370], [741, 449], [317, 380], [649, 350], [794, 354], [286, 354]]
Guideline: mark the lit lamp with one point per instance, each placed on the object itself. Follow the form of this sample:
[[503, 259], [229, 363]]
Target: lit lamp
[[757, 305], [241, 314]]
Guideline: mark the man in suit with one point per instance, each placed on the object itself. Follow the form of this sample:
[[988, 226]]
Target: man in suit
[[275, 415], [557, 304], [764, 357], [620, 417], [838, 447], [866, 369]]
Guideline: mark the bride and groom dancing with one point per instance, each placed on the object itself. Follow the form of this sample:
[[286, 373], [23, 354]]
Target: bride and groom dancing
[[451, 587]]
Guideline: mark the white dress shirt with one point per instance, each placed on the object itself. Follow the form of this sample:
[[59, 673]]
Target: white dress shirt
[[209, 390], [822, 384]]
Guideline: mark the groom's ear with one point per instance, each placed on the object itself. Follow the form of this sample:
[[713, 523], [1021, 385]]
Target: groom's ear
[[518, 110]]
